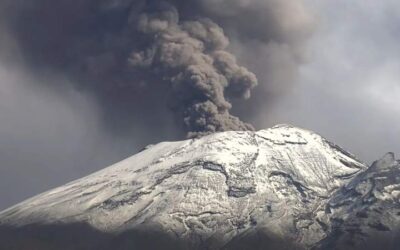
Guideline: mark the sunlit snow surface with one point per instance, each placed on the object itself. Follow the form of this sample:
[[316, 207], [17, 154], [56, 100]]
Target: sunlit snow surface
[[279, 181]]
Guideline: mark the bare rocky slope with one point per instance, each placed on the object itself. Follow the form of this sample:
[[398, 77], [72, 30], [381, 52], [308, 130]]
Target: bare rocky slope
[[278, 188]]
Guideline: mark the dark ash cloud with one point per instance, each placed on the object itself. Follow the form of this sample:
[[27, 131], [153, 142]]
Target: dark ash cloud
[[190, 57], [135, 52]]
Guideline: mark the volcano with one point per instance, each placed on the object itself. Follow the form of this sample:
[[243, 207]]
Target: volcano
[[279, 188]]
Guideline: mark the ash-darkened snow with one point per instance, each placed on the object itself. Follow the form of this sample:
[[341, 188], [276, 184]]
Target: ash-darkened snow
[[278, 188]]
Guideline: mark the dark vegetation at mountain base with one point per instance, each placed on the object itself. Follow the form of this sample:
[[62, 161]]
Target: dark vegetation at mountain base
[[81, 236]]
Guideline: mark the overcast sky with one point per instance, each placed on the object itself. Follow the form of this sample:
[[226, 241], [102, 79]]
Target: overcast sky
[[346, 88], [349, 90]]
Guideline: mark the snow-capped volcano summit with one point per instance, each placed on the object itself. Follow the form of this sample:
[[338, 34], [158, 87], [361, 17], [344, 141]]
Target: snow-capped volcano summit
[[219, 191]]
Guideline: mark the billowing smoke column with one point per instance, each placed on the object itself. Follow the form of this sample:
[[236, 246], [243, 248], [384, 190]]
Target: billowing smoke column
[[190, 56], [139, 56]]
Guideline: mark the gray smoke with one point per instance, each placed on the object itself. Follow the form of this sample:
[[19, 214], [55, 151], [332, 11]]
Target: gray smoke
[[139, 56], [191, 57]]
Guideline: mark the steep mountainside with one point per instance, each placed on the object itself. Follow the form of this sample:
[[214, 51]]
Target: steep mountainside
[[275, 188], [365, 214]]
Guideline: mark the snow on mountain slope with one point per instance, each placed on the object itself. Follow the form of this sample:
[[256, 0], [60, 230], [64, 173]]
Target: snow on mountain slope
[[365, 214], [209, 191]]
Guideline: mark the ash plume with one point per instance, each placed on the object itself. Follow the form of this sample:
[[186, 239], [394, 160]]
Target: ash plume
[[190, 56], [139, 56]]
